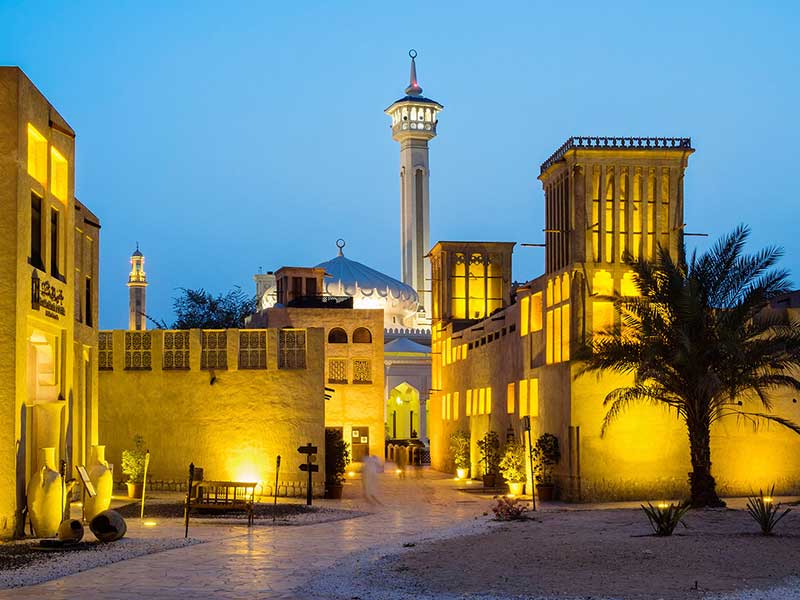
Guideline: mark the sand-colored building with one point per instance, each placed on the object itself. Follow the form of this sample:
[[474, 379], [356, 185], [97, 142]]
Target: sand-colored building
[[48, 296], [353, 356], [511, 357]]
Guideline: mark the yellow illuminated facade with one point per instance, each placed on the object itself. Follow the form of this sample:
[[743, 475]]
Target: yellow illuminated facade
[[237, 398], [605, 199], [48, 309]]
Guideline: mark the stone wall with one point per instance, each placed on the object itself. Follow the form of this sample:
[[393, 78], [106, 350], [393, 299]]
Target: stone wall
[[232, 422]]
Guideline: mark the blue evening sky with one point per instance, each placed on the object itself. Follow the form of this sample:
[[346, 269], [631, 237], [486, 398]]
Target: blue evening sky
[[228, 136]]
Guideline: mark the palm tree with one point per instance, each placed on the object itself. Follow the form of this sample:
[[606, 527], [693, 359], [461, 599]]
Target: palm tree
[[701, 339]]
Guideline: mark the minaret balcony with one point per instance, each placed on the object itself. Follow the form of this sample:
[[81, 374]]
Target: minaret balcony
[[414, 128]]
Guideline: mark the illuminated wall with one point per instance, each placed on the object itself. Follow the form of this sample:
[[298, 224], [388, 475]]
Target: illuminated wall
[[48, 295], [232, 419], [475, 384], [353, 369]]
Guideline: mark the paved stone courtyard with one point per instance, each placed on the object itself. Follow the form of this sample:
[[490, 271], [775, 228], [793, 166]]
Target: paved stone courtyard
[[267, 562]]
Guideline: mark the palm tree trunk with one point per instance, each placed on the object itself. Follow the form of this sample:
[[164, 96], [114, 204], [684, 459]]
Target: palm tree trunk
[[703, 485]]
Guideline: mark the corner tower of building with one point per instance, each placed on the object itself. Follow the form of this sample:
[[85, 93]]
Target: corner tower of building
[[137, 284], [414, 120]]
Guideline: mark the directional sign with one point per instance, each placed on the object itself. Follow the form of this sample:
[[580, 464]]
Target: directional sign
[[311, 457]]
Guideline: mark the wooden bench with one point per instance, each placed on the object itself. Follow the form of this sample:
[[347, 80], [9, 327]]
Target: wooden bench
[[222, 496]]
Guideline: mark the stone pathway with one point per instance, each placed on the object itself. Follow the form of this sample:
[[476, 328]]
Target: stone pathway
[[267, 562]]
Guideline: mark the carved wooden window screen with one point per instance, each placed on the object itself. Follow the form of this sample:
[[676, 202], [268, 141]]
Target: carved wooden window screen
[[253, 349], [105, 351], [362, 371], [292, 349], [337, 370], [176, 350], [213, 350], [138, 350]]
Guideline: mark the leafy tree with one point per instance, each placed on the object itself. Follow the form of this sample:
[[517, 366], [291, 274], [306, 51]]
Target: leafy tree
[[701, 339], [198, 309]]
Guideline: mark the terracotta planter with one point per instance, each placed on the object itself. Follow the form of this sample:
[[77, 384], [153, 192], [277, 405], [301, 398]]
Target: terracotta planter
[[545, 491], [489, 480], [135, 490], [515, 488], [333, 491], [462, 473]]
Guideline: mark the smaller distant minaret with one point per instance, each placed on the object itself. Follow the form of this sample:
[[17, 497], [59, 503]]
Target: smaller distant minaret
[[137, 282]]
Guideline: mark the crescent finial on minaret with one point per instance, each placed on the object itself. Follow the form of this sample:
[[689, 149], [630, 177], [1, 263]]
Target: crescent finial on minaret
[[413, 88]]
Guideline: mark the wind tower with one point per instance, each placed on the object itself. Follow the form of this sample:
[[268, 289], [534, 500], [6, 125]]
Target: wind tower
[[137, 283], [414, 120]]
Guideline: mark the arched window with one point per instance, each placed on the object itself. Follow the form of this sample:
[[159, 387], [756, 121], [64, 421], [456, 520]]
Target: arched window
[[337, 335], [362, 335]]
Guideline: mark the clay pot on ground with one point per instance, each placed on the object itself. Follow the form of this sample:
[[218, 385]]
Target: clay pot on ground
[[46, 495], [462, 473], [108, 526], [102, 479], [333, 491], [135, 490], [545, 491], [515, 488], [70, 531]]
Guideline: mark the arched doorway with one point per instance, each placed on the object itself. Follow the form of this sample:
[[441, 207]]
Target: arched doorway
[[403, 412]]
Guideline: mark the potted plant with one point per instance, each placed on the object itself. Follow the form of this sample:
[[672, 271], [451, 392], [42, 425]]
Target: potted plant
[[512, 466], [489, 447], [133, 467], [337, 456], [546, 454], [459, 450]]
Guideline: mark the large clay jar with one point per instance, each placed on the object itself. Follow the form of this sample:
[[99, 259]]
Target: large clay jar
[[46, 495], [70, 531], [108, 526], [102, 479]]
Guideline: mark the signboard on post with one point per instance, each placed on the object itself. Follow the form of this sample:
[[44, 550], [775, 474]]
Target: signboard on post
[[87, 483], [310, 467]]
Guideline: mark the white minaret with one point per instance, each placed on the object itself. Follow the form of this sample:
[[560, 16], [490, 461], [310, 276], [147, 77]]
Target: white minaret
[[137, 283], [414, 120]]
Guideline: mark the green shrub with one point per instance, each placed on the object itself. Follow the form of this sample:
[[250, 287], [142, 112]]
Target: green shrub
[[512, 465], [337, 456], [764, 511], [459, 449], [546, 454], [489, 447], [133, 460], [509, 509], [664, 517]]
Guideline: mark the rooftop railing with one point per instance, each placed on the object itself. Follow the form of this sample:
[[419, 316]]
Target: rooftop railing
[[619, 143], [320, 301]]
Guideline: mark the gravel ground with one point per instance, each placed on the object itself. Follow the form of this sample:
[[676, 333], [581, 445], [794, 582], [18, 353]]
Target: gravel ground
[[285, 514], [22, 563], [592, 554]]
